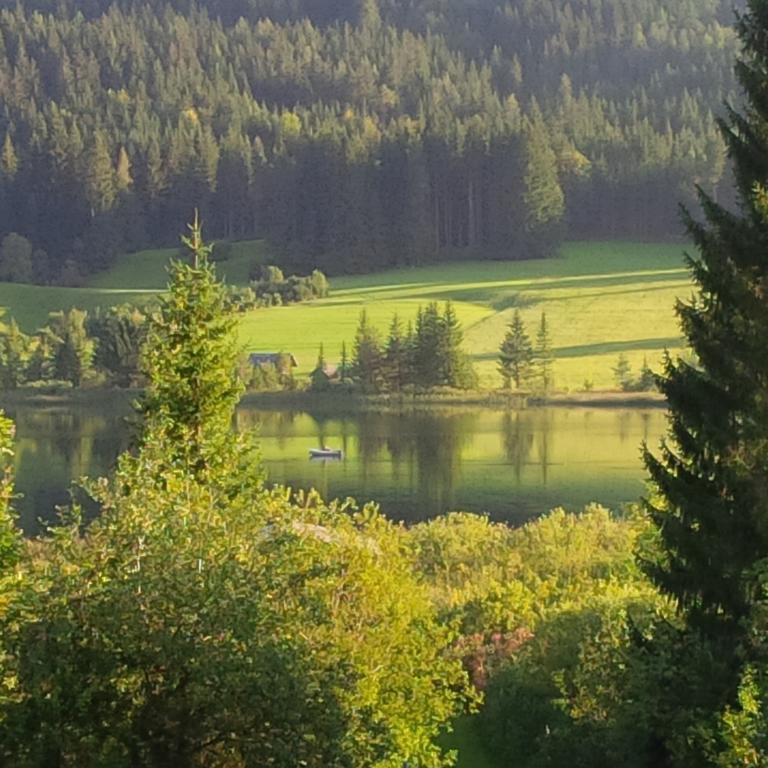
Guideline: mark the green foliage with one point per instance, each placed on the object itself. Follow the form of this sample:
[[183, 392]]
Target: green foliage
[[547, 614], [14, 356], [272, 288], [119, 334], [709, 506], [356, 134], [367, 357], [203, 620], [190, 360], [622, 373], [304, 619], [543, 356], [10, 540], [428, 356], [516, 354], [543, 195], [319, 378], [16, 263], [71, 349], [397, 357]]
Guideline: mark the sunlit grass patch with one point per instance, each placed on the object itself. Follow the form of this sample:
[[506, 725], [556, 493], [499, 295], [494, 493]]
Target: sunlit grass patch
[[601, 300]]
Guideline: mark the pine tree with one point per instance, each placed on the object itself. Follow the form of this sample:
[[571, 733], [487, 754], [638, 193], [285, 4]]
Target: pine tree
[[647, 380], [9, 162], [395, 357], [100, 184], [712, 507], [622, 373], [190, 359], [543, 356], [450, 357], [344, 364], [515, 354], [319, 376], [427, 366], [367, 357], [123, 178], [544, 199]]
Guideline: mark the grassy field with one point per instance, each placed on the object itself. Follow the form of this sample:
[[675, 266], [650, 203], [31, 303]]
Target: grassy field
[[601, 299], [146, 270]]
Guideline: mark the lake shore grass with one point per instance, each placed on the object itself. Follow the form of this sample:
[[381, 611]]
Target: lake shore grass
[[319, 401]]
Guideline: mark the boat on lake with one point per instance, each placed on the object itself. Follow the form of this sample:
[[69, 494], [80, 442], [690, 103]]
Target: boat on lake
[[325, 453]]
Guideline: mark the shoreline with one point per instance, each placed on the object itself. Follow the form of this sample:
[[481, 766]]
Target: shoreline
[[305, 400]]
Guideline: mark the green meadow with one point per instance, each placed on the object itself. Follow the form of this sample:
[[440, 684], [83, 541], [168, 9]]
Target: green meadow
[[601, 300]]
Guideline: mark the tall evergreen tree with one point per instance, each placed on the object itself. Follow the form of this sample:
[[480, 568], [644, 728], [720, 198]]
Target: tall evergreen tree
[[426, 342], [344, 364], [100, 182], [367, 357], [9, 161], [543, 195], [72, 348], [515, 354], [395, 357], [712, 474], [543, 356], [190, 359], [454, 367]]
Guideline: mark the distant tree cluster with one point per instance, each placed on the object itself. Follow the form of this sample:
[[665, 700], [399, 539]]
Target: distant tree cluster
[[267, 377], [622, 373], [270, 288], [522, 363], [352, 135], [75, 348], [423, 355]]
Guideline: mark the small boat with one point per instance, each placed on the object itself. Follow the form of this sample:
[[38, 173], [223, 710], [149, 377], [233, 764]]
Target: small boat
[[325, 453]]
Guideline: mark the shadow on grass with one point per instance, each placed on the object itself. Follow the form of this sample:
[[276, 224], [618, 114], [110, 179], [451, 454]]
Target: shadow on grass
[[604, 348]]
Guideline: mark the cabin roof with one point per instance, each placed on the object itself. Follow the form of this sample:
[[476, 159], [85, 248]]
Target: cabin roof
[[271, 358]]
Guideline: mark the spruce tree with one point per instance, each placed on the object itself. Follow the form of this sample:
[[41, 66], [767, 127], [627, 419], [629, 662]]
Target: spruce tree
[[453, 366], [319, 377], [544, 358], [622, 373], [100, 181], [544, 198], [190, 360], [123, 178], [427, 367], [9, 162], [344, 364], [395, 357], [711, 510], [368, 360], [515, 354]]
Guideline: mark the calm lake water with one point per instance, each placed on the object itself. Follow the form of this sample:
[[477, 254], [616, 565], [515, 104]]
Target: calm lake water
[[416, 464]]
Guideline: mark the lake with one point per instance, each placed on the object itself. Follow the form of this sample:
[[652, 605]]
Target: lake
[[513, 465]]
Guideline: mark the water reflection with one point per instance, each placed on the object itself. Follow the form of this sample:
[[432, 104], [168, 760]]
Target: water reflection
[[417, 464]]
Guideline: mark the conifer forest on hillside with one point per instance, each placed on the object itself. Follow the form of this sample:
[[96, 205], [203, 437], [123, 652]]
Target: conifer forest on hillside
[[356, 134]]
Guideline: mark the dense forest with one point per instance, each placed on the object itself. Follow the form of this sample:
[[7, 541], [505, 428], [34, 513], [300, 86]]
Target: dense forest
[[355, 134]]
